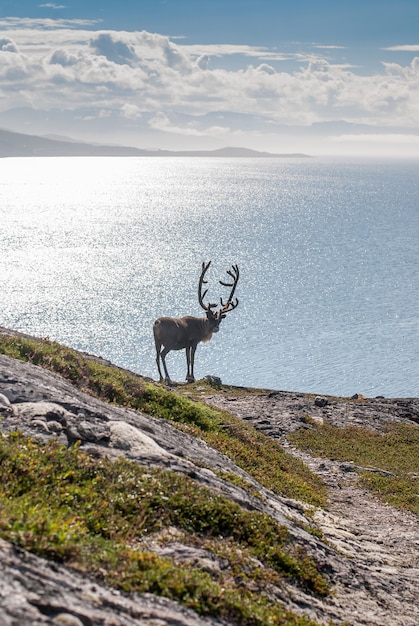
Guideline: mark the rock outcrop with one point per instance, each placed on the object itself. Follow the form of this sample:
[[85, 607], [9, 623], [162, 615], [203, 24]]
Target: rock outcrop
[[369, 550]]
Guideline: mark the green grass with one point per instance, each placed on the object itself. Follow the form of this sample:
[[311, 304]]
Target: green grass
[[94, 515], [253, 451], [395, 451]]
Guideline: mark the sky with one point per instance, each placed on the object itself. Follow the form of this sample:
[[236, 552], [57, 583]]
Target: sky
[[314, 76]]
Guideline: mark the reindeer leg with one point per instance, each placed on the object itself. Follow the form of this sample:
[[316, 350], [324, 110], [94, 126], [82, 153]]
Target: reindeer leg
[[158, 345], [189, 377], [158, 363], [190, 358], [163, 355]]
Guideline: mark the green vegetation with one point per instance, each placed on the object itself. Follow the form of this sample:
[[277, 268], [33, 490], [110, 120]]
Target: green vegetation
[[395, 451], [103, 517], [96, 515], [257, 454]]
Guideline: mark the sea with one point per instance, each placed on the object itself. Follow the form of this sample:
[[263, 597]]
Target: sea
[[93, 250]]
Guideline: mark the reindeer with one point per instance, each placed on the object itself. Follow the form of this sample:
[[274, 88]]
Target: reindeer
[[178, 333]]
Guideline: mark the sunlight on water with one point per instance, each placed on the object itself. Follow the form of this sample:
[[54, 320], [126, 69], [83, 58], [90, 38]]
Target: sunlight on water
[[94, 249]]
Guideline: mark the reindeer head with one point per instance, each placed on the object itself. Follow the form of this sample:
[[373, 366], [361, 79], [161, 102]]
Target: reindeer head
[[214, 317]]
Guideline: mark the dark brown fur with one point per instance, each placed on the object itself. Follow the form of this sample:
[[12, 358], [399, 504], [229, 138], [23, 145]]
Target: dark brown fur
[[184, 333], [178, 333]]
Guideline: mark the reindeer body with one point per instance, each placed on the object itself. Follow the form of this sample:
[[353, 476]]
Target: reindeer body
[[184, 333], [178, 333]]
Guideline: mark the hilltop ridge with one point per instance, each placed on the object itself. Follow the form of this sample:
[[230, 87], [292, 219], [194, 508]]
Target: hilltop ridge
[[14, 144]]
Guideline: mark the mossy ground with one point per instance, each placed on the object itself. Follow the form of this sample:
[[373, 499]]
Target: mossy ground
[[95, 515], [254, 452], [395, 451], [92, 515]]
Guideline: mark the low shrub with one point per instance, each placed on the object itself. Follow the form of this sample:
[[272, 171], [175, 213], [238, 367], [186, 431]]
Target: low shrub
[[260, 456], [93, 515]]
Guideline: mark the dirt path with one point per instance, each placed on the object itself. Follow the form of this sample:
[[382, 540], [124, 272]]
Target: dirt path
[[380, 541]]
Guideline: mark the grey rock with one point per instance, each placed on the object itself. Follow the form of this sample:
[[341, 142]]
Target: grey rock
[[4, 401], [135, 443], [54, 427], [321, 402], [370, 552], [34, 592], [41, 409], [213, 380]]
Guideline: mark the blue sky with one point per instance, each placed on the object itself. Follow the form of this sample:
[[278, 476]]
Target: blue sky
[[324, 77]]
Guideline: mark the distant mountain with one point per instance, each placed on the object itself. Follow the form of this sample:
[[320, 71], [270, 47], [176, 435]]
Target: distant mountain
[[19, 145], [233, 152]]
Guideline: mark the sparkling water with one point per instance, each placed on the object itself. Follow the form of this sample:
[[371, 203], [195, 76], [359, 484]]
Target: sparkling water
[[94, 249]]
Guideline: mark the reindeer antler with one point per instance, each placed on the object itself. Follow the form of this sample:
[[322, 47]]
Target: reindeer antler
[[201, 296], [230, 305]]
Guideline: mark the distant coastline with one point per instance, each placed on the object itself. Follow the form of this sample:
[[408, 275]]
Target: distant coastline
[[14, 144]]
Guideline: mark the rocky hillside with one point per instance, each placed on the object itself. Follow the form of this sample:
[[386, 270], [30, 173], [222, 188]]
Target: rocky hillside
[[133, 504]]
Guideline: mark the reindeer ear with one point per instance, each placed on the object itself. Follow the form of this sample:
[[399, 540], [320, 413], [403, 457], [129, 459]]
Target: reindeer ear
[[223, 316]]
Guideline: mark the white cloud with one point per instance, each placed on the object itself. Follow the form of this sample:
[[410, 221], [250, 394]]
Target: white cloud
[[7, 45], [162, 122], [113, 49], [138, 73], [404, 48], [325, 47], [267, 69], [387, 138], [51, 5], [130, 111], [203, 62], [30, 23], [64, 58], [101, 114]]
